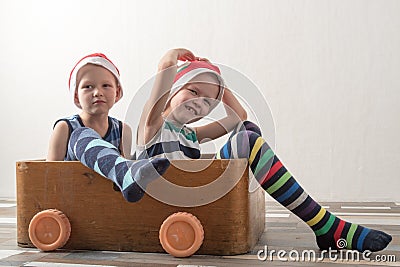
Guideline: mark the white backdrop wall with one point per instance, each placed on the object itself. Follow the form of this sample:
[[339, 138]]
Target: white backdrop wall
[[329, 70]]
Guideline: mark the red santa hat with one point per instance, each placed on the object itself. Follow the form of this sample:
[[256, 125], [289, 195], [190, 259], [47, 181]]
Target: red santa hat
[[96, 59], [191, 69]]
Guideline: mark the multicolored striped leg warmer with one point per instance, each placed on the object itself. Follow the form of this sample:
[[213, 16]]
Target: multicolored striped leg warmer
[[330, 231], [131, 177]]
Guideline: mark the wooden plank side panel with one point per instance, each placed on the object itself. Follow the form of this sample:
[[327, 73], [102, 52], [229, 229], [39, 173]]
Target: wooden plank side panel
[[256, 214], [102, 220]]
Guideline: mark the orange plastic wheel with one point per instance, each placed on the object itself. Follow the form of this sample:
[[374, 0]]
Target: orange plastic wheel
[[49, 230], [181, 234]]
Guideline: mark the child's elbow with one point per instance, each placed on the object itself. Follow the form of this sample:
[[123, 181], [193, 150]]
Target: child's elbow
[[243, 116]]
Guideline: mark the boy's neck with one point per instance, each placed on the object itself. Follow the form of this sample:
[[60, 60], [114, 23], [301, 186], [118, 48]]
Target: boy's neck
[[99, 123]]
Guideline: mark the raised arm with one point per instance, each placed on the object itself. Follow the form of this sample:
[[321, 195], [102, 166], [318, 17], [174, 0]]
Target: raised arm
[[126, 141], [235, 113], [151, 117]]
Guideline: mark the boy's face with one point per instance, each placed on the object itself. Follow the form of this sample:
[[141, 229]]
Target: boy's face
[[97, 89], [194, 100]]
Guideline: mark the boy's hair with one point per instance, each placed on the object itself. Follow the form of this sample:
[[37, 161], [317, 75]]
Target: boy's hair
[[191, 69], [98, 59]]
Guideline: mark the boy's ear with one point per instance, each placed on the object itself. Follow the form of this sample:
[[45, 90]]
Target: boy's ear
[[118, 93], [76, 100]]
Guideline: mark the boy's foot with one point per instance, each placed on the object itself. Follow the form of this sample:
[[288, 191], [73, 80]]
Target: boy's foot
[[352, 236]]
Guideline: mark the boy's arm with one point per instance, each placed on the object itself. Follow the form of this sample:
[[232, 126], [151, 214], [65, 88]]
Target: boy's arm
[[126, 142], [58, 142], [235, 114], [151, 119]]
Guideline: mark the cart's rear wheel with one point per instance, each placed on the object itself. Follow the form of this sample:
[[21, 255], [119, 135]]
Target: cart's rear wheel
[[181, 234], [49, 230]]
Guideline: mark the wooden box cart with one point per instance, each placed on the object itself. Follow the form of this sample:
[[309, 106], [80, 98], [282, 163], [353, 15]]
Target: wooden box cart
[[101, 219]]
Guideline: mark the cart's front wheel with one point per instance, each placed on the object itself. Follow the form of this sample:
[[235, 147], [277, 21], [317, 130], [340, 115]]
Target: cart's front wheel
[[181, 234], [49, 230]]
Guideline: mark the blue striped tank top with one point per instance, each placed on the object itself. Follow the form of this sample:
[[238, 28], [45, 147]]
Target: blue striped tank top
[[113, 135]]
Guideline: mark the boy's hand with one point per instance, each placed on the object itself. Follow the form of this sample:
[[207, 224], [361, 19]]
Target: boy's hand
[[184, 54], [172, 56], [203, 59]]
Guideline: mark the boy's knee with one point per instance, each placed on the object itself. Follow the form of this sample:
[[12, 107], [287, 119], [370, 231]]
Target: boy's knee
[[80, 133], [245, 141], [247, 137], [248, 134], [84, 132], [241, 143], [251, 126]]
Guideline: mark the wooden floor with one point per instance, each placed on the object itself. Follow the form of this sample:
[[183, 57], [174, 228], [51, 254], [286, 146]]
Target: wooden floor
[[283, 231]]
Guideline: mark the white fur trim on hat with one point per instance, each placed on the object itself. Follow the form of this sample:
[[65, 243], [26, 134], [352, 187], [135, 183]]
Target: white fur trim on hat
[[187, 77]]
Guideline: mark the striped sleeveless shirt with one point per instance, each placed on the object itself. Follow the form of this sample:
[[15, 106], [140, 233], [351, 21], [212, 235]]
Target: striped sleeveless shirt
[[172, 142], [113, 135]]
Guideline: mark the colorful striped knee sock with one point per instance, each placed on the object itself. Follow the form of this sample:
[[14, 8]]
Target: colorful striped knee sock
[[281, 185], [131, 177]]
